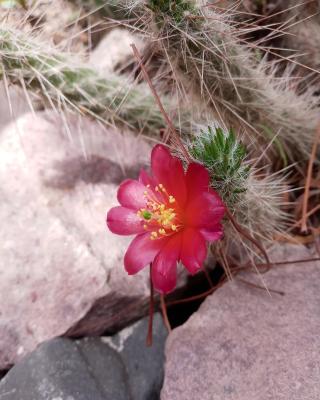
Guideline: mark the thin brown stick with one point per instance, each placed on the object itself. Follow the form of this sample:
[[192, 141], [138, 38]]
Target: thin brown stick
[[198, 296], [256, 286], [206, 272], [309, 213], [151, 313], [308, 180], [157, 98], [248, 236], [275, 264], [164, 313], [235, 271]]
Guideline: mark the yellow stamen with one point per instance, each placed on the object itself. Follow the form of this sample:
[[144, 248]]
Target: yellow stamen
[[153, 235], [157, 214]]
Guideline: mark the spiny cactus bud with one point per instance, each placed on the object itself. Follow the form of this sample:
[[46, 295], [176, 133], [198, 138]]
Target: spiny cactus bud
[[224, 157]]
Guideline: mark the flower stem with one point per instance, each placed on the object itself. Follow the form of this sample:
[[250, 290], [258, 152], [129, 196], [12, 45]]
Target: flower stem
[[151, 312], [165, 314]]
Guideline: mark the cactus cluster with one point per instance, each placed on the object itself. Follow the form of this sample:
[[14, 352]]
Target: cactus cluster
[[61, 80], [255, 199], [215, 69], [224, 157], [213, 61]]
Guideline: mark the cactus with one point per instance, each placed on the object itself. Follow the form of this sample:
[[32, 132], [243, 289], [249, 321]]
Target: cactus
[[110, 8], [255, 200], [211, 58], [62, 81], [224, 157]]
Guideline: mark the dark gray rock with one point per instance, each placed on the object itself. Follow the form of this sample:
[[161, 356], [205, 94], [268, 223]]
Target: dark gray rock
[[58, 370], [145, 365], [115, 368], [106, 367]]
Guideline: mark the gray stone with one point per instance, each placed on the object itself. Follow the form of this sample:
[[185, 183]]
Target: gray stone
[[63, 268], [115, 368], [244, 344], [145, 365], [58, 370]]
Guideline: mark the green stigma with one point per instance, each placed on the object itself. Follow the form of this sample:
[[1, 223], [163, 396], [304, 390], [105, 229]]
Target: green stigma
[[146, 214]]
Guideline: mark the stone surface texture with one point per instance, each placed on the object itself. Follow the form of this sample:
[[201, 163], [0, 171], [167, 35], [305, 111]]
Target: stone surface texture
[[244, 344], [61, 269], [114, 51], [144, 365], [113, 368], [13, 103]]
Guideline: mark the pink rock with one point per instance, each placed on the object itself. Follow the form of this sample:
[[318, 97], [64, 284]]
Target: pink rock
[[244, 344], [13, 103], [61, 269]]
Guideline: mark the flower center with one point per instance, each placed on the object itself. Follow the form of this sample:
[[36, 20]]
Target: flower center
[[160, 215]]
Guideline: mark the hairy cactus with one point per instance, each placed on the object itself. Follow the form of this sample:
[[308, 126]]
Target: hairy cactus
[[67, 83], [212, 59], [255, 199], [110, 8], [223, 156]]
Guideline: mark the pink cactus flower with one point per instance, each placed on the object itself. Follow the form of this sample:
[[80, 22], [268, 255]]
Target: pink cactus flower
[[172, 213]]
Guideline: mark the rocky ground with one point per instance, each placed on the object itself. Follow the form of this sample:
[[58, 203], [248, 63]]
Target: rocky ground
[[68, 310], [120, 367]]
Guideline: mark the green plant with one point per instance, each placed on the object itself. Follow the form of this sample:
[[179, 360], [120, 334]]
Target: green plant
[[255, 198], [177, 10], [64, 82], [223, 156], [212, 60]]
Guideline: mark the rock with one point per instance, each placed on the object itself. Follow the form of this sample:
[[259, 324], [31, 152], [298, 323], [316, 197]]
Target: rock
[[18, 104], [244, 344], [144, 365], [120, 368], [59, 370], [113, 50], [63, 268]]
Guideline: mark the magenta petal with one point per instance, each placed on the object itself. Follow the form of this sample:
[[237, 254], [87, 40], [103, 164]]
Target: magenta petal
[[160, 160], [193, 250], [213, 233], [205, 210], [131, 194], [197, 180], [168, 170], [141, 252], [145, 179], [164, 267], [124, 221]]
